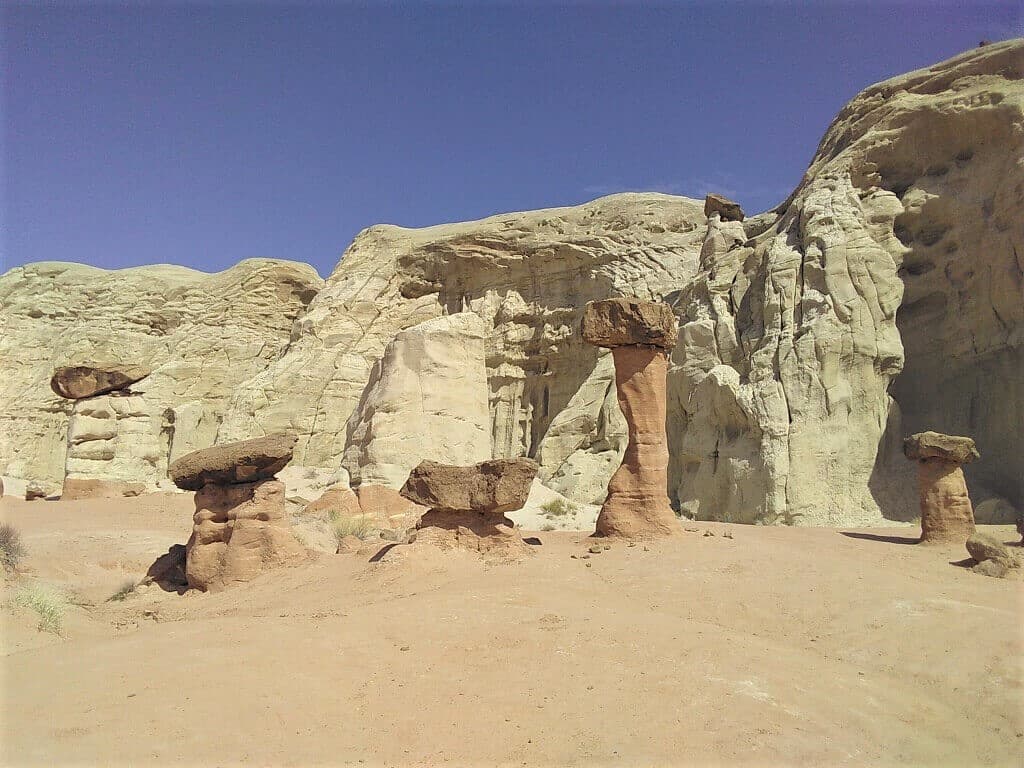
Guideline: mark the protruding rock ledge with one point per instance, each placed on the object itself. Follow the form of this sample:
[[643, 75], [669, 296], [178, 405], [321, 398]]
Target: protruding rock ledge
[[726, 209], [624, 321], [81, 381], [245, 461]]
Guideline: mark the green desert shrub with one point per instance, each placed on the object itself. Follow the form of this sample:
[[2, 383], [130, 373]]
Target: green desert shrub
[[359, 526], [123, 591], [47, 602], [559, 508], [11, 548]]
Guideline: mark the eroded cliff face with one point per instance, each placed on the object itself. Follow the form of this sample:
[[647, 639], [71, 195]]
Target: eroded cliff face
[[528, 277], [199, 334], [885, 296], [897, 257]]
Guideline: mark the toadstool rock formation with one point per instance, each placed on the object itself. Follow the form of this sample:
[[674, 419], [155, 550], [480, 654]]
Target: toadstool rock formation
[[467, 504], [240, 527], [640, 334], [946, 512], [726, 209]]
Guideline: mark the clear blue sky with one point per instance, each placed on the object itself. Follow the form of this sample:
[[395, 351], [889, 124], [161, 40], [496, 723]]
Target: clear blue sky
[[204, 134]]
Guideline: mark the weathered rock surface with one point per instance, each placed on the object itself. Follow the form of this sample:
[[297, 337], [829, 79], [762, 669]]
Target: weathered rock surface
[[495, 486], [427, 396], [244, 461], [726, 209], [779, 406], [637, 504], [239, 531], [199, 334], [626, 321], [933, 445]]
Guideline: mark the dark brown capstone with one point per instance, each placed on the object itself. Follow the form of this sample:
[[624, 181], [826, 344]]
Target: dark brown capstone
[[495, 486], [935, 445], [76, 382], [726, 209], [245, 461], [624, 322]]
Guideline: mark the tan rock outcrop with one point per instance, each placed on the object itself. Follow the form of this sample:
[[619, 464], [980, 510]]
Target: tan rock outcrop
[[911, 205], [239, 531], [946, 512], [640, 334], [468, 503], [427, 396], [199, 334], [244, 461]]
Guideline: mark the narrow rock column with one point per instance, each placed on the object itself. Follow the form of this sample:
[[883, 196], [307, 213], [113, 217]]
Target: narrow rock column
[[639, 335], [946, 512]]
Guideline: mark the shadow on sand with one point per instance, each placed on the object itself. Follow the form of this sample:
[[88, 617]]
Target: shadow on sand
[[879, 537]]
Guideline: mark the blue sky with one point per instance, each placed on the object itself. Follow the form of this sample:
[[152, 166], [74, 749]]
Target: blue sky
[[202, 134]]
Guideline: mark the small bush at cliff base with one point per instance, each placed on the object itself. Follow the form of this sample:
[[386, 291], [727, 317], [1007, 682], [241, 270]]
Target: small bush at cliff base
[[559, 508], [11, 549]]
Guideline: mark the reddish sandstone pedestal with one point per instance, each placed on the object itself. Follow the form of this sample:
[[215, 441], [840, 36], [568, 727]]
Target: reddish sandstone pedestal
[[639, 335], [947, 516]]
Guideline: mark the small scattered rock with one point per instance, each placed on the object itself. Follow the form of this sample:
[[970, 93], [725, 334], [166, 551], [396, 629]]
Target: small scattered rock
[[596, 549], [983, 546], [727, 535], [404, 648], [708, 533]]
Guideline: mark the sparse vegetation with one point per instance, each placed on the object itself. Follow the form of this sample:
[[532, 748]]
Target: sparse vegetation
[[11, 548], [355, 525], [48, 602], [547, 527], [125, 589], [559, 508]]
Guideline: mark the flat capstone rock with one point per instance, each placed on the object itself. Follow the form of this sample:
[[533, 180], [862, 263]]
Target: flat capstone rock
[[245, 461]]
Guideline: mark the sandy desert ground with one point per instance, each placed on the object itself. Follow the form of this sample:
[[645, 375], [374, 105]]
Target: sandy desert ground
[[775, 646]]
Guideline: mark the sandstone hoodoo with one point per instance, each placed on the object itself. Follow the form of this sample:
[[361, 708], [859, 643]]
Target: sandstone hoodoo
[[946, 512], [467, 504], [640, 335], [238, 532], [77, 382], [240, 527], [244, 461]]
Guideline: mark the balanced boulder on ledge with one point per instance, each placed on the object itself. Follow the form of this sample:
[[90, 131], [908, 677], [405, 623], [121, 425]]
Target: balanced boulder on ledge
[[81, 381], [245, 461]]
